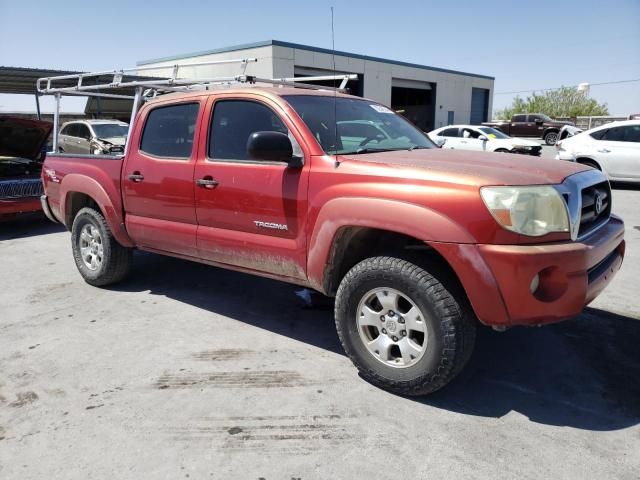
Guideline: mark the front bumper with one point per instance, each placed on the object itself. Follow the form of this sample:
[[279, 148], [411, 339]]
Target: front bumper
[[12, 207], [565, 156], [534, 151], [498, 278]]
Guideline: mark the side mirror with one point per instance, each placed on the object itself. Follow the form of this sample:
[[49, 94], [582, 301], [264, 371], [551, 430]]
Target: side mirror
[[539, 122], [272, 147], [440, 141], [483, 138]]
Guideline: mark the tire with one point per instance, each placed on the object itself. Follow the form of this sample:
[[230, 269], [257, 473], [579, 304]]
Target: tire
[[448, 326], [100, 259], [550, 138]]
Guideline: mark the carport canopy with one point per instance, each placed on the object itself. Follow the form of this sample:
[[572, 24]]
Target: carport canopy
[[22, 81]]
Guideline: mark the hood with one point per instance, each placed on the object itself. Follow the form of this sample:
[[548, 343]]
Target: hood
[[119, 141], [522, 142], [470, 168], [20, 137]]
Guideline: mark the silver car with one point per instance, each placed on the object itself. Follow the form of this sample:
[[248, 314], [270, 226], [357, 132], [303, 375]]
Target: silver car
[[98, 137]]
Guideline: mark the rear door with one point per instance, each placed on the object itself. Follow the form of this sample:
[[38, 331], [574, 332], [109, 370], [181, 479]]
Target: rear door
[[619, 151], [71, 140], [518, 126], [451, 136], [157, 178], [251, 214], [83, 138]]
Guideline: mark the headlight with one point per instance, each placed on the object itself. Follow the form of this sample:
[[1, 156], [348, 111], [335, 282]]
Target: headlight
[[533, 211]]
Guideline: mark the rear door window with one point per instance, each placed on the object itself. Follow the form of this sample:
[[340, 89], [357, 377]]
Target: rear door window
[[449, 132], [168, 131], [519, 118], [615, 134], [632, 133]]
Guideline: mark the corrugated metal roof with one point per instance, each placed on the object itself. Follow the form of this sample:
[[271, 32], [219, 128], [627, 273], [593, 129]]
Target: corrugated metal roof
[[279, 43]]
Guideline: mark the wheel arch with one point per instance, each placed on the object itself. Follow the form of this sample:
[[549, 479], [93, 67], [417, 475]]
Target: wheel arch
[[78, 191], [585, 160], [347, 230]]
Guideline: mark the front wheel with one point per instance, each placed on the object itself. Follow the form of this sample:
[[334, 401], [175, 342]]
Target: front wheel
[[550, 138], [100, 259], [403, 330]]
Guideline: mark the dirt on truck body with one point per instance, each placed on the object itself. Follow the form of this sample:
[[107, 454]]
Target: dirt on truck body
[[342, 195]]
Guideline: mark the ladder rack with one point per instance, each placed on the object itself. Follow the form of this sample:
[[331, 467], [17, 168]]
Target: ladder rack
[[127, 83]]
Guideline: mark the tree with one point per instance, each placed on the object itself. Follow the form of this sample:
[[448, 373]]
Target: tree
[[561, 102]]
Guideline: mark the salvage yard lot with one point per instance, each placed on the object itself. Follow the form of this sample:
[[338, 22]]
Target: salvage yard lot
[[191, 371]]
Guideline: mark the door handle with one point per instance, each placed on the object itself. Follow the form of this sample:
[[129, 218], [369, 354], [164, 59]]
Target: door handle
[[604, 150], [207, 182], [136, 177]]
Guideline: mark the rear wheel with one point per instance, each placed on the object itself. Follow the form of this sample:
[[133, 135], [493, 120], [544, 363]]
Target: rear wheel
[[403, 330], [550, 138], [100, 259]]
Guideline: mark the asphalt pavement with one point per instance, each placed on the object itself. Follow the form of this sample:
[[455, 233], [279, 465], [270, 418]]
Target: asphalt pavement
[[189, 371]]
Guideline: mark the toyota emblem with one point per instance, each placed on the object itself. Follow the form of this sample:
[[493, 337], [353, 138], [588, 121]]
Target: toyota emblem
[[598, 203]]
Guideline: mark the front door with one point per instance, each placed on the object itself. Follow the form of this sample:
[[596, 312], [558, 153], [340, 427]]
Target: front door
[[251, 214], [157, 181], [469, 140]]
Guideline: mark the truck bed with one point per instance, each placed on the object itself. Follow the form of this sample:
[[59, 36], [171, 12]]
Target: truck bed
[[103, 171]]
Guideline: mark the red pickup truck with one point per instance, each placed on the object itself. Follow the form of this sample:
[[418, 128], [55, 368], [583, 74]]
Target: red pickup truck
[[339, 194]]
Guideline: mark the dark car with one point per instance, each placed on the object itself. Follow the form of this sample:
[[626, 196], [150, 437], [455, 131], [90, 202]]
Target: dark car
[[531, 125]]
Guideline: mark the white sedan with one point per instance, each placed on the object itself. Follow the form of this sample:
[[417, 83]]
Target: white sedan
[[485, 139], [613, 148]]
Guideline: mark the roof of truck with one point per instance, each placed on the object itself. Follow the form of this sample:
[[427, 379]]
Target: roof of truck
[[266, 91]]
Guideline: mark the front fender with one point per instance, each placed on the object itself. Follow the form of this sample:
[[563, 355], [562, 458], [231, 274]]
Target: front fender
[[112, 212], [394, 216]]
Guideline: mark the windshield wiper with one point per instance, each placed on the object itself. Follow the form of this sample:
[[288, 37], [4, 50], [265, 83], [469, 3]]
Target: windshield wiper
[[417, 147], [373, 150]]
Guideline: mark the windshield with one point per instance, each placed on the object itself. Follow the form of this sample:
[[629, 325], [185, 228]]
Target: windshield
[[109, 130], [362, 126], [546, 118], [493, 133]]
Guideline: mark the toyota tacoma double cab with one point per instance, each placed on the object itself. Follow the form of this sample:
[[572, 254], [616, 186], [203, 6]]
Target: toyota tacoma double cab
[[530, 125], [417, 244]]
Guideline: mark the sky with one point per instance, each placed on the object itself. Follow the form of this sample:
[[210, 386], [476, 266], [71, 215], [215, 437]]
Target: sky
[[525, 45]]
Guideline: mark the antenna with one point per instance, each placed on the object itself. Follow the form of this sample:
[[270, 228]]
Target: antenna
[[335, 92]]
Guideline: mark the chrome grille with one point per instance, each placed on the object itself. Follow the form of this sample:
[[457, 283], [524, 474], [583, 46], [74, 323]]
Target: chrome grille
[[596, 207], [10, 189]]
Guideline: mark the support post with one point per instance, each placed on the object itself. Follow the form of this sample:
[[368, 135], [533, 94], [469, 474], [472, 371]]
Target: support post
[[56, 123], [134, 111], [38, 105]]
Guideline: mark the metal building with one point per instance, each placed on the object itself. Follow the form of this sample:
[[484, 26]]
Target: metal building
[[430, 97]]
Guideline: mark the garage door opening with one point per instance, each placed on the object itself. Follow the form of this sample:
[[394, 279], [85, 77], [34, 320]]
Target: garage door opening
[[415, 104]]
